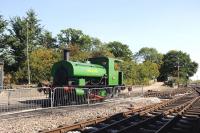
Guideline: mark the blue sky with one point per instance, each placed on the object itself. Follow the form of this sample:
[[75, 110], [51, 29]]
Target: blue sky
[[162, 24]]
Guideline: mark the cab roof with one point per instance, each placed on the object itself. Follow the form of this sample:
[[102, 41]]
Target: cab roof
[[108, 58]]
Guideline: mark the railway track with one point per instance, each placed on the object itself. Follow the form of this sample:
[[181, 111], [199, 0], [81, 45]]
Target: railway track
[[166, 94], [156, 118]]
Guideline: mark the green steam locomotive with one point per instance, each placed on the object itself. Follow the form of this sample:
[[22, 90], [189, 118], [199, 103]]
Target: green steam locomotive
[[98, 72]]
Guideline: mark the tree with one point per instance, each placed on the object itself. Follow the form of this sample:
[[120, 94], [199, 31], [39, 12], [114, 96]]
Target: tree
[[41, 63], [146, 71], [174, 60], [18, 37], [17, 41], [120, 50], [85, 43], [69, 36], [96, 44], [6, 53], [76, 54], [139, 73], [3, 25], [151, 70], [149, 54], [34, 29], [101, 50], [129, 69], [47, 40]]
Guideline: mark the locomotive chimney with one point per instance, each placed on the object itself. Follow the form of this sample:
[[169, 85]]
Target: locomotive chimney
[[66, 54]]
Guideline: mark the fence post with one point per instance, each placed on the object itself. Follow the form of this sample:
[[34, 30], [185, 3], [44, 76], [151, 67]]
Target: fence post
[[52, 97], [142, 90], [9, 97], [88, 97]]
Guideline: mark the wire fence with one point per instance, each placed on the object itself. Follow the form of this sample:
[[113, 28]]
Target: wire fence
[[12, 100]]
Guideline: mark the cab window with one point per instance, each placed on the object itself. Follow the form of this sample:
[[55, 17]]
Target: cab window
[[116, 66]]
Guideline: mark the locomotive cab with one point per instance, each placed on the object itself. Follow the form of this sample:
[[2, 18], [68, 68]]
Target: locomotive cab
[[113, 69]]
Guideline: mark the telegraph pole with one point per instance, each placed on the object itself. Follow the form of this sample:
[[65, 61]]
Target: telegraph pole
[[27, 54], [1, 74]]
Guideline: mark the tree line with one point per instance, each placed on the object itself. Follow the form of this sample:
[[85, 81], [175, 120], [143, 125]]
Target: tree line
[[44, 50]]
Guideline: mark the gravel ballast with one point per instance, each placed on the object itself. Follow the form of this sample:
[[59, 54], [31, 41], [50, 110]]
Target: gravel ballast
[[70, 115]]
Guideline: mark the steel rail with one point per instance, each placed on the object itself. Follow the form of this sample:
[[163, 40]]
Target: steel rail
[[156, 118], [126, 117]]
